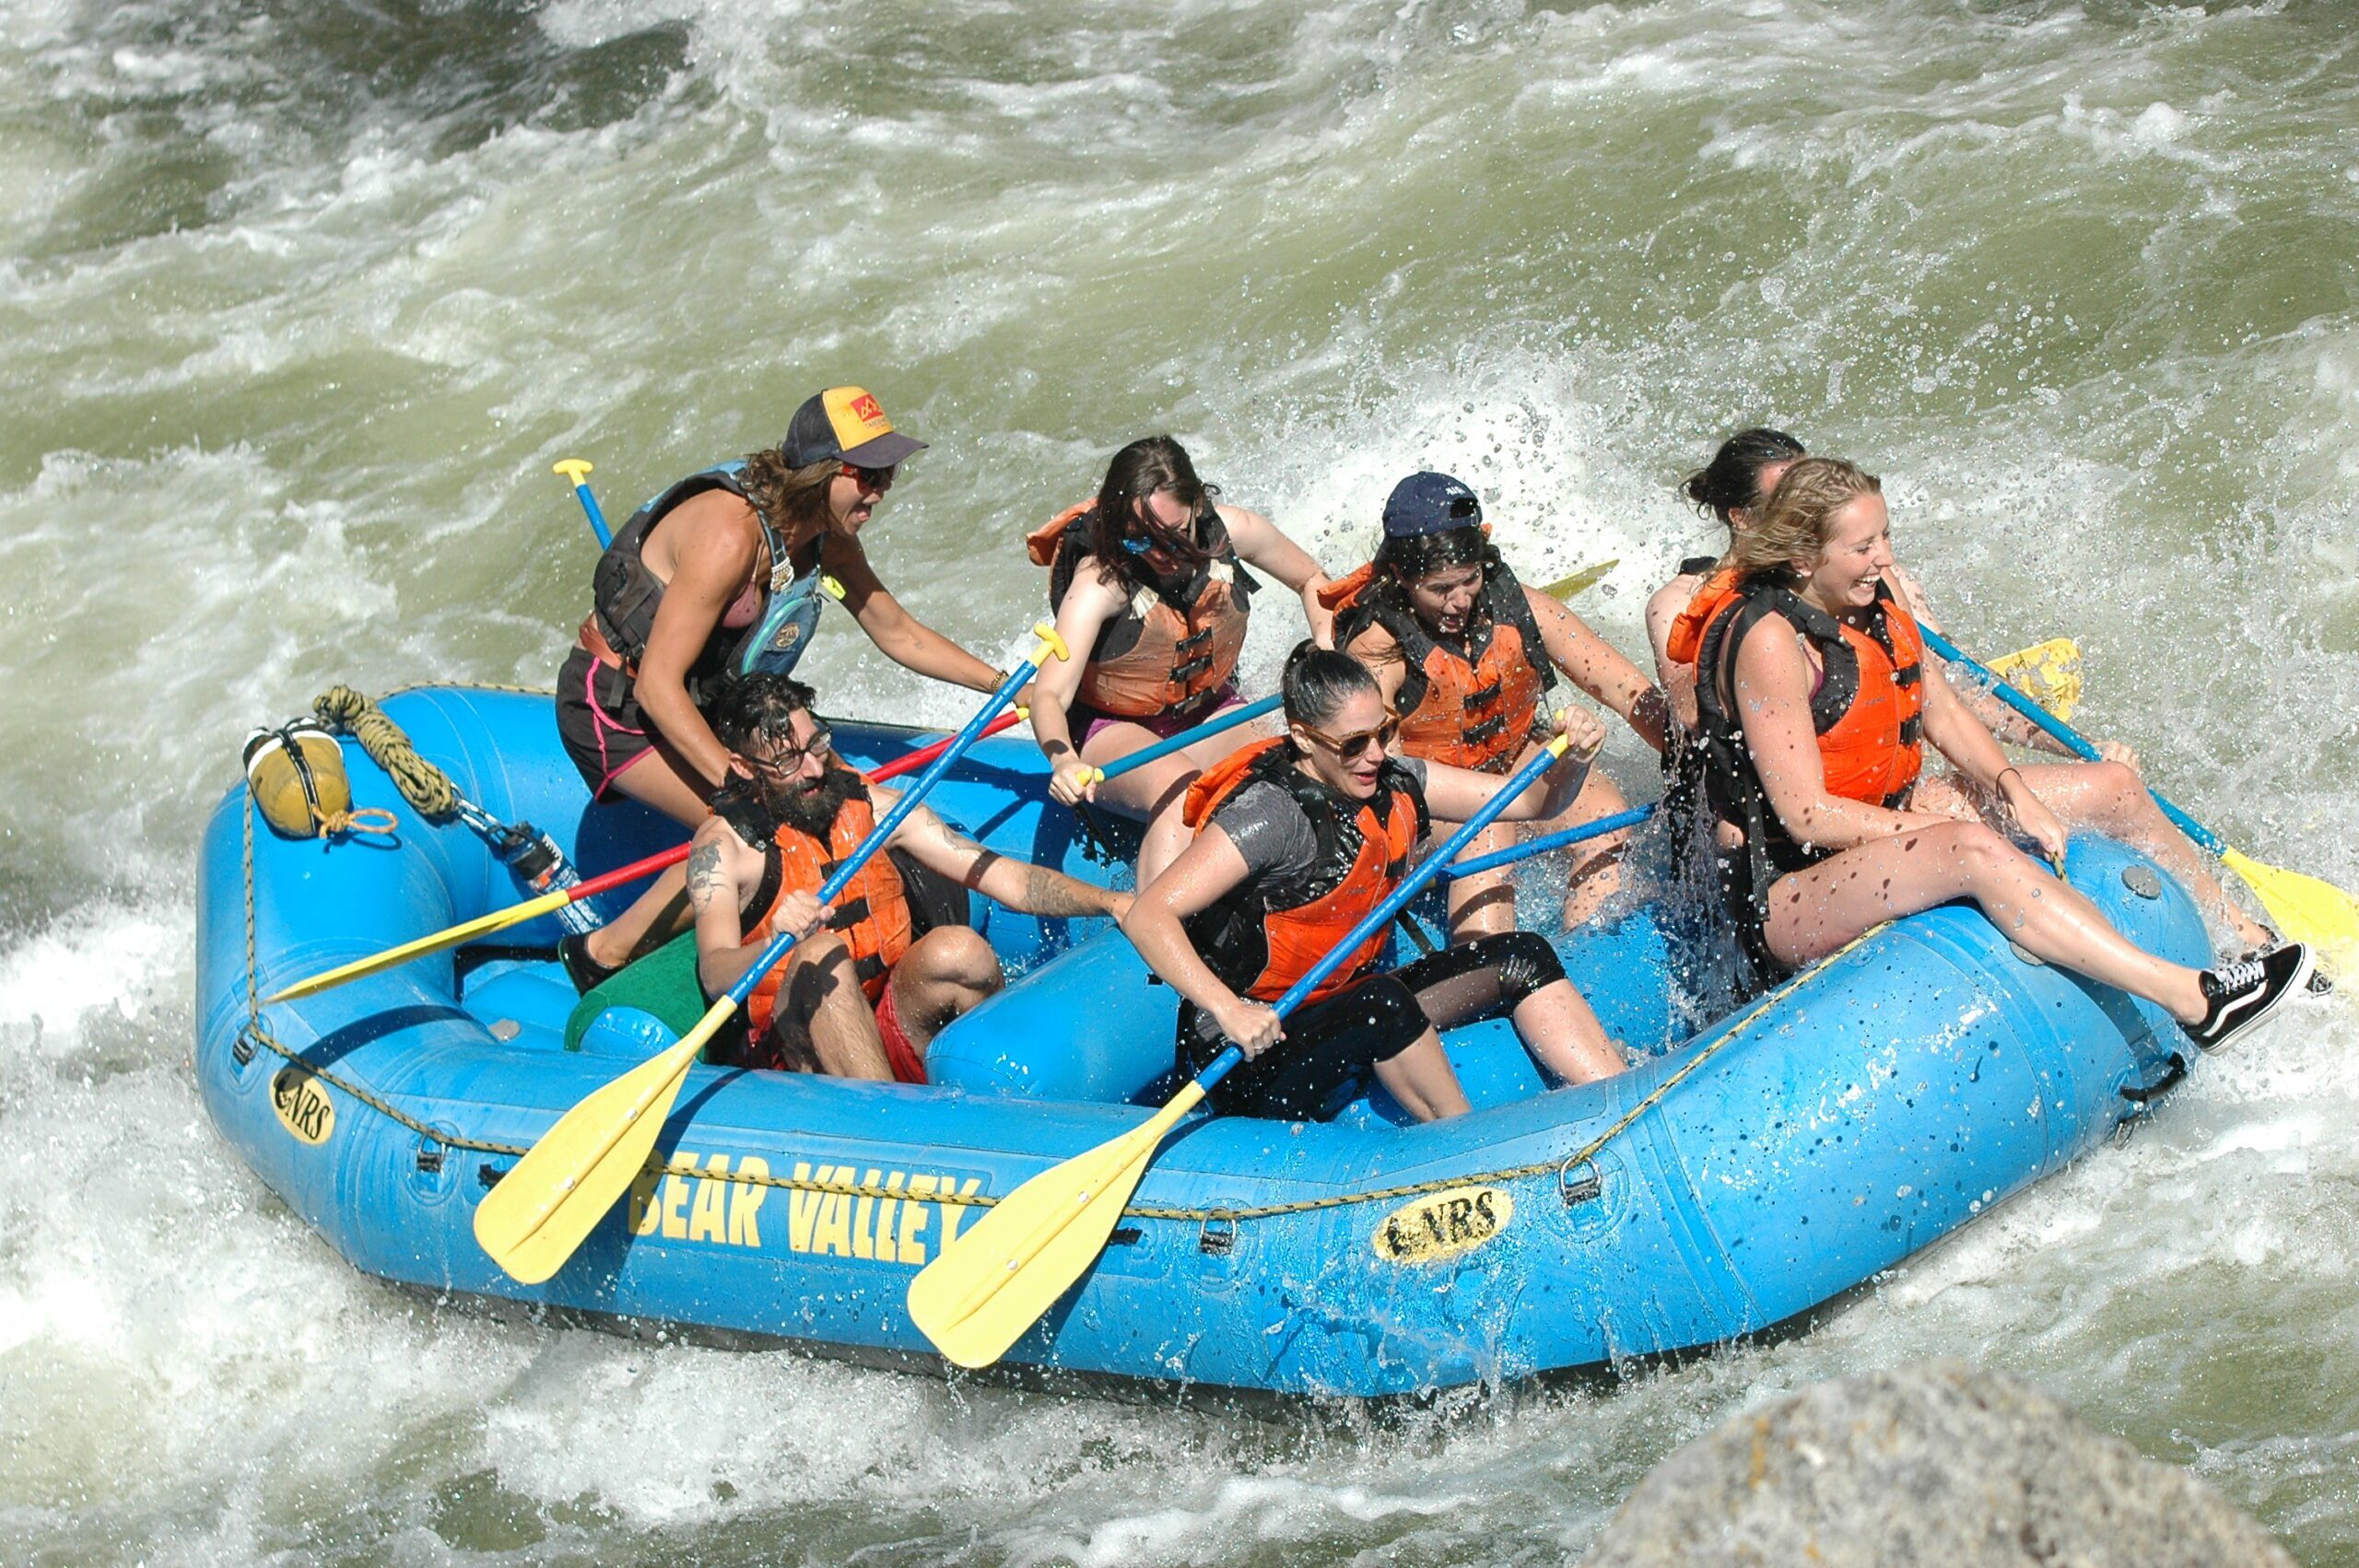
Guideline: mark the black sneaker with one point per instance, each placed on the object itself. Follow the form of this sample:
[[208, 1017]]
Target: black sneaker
[[584, 971], [2319, 984], [2242, 994]]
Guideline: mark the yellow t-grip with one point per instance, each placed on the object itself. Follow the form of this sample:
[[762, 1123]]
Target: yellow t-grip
[[573, 468], [1051, 643]]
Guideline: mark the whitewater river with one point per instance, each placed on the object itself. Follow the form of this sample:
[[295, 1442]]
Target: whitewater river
[[299, 299]]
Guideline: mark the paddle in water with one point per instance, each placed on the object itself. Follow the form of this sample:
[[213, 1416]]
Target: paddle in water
[[590, 887], [552, 1199], [1011, 1266], [2306, 909]]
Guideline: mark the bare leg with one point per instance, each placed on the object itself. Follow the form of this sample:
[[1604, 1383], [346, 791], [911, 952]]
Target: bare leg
[[1815, 910], [1564, 1035], [1152, 794], [945, 973], [824, 1022], [2113, 799], [662, 912], [1482, 905], [1593, 872], [1423, 1080]]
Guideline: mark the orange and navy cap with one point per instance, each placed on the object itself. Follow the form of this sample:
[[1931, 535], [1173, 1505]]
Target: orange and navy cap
[[846, 423]]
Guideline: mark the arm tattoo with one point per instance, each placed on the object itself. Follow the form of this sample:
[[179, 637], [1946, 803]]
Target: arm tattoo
[[1053, 892], [704, 875]]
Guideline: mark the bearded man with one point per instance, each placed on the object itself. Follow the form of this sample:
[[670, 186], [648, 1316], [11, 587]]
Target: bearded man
[[864, 988]]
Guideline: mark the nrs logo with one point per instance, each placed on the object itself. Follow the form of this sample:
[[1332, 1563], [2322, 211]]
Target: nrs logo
[[303, 1106], [1443, 1224]]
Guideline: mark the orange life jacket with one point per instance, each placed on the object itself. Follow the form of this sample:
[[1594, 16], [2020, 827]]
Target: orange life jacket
[[1260, 945], [1476, 711], [1868, 712], [1168, 651], [871, 913]]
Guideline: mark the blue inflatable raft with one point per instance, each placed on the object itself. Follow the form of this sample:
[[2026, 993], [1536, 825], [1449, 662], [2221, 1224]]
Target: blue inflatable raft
[[1733, 1179]]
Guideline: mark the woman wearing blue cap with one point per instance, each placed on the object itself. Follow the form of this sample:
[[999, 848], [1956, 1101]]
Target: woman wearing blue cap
[[1464, 653], [724, 573]]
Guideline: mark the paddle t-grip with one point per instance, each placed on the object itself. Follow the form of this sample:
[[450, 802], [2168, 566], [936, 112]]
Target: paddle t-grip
[[575, 469]]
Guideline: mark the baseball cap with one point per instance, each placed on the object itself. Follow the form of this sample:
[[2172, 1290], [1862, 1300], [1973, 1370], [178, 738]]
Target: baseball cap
[[1429, 503], [846, 423]]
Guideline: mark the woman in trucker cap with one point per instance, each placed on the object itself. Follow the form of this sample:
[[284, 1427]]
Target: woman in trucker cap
[[724, 573]]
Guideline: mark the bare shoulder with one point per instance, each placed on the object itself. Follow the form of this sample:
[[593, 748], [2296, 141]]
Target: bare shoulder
[[1672, 598]]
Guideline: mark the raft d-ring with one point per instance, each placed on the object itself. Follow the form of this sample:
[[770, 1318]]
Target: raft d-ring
[[1218, 1237], [1579, 1184], [1051, 645]]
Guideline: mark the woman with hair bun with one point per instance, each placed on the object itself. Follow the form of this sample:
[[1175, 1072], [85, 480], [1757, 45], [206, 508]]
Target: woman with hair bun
[[1814, 714], [1296, 839]]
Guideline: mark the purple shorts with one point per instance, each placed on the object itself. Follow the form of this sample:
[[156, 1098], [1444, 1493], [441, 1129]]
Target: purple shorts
[[1162, 726]]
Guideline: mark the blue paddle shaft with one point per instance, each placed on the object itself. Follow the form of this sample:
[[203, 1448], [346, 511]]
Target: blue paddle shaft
[[1394, 902], [1186, 738], [597, 519], [769, 955], [1546, 842], [2061, 730]]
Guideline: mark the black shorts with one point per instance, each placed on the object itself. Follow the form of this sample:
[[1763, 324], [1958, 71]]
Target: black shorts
[[1332, 1044], [599, 721]]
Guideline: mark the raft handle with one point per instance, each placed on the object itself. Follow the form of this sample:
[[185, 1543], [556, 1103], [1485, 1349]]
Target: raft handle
[[489, 1176], [1581, 1187], [1218, 1238], [2147, 1094], [1128, 1236]]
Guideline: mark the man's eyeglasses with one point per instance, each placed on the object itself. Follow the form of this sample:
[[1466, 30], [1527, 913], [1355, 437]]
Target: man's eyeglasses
[[786, 758], [1350, 746]]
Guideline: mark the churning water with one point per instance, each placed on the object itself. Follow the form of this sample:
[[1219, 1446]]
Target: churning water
[[299, 299]]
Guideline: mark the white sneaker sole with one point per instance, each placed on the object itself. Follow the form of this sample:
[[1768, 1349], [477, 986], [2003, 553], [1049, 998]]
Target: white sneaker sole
[[2298, 985]]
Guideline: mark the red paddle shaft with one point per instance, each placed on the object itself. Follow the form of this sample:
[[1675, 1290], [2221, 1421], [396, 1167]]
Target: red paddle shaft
[[590, 887]]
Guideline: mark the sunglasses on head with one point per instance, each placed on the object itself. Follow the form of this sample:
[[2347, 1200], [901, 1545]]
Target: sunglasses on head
[[1353, 745]]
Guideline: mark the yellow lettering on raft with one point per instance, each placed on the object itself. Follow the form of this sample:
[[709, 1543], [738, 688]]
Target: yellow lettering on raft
[[833, 1234], [675, 1198], [861, 1242], [708, 1220], [643, 1213], [914, 1215], [803, 1207], [954, 1214], [746, 1201]]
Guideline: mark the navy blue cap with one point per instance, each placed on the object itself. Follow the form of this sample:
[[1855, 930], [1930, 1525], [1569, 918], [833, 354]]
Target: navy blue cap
[[1429, 503]]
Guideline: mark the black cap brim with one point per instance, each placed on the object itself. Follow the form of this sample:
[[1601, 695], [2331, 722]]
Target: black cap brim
[[884, 451]]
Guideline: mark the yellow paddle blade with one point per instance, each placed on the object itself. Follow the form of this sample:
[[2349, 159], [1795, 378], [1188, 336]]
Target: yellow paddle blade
[[1009, 1266], [1587, 577], [555, 1195], [2048, 673], [2305, 909], [466, 930]]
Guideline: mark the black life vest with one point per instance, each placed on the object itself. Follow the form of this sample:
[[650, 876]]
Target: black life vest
[[1868, 722], [1263, 937], [624, 595]]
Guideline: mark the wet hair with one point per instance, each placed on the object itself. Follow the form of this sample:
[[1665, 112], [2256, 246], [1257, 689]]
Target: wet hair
[[1317, 681], [756, 705], [1733, 479], [1144, 468], [1795, 520], [1411, 558], [788, 498]]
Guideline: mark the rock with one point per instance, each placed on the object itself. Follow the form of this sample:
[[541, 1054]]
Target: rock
[[1938, 1462]]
